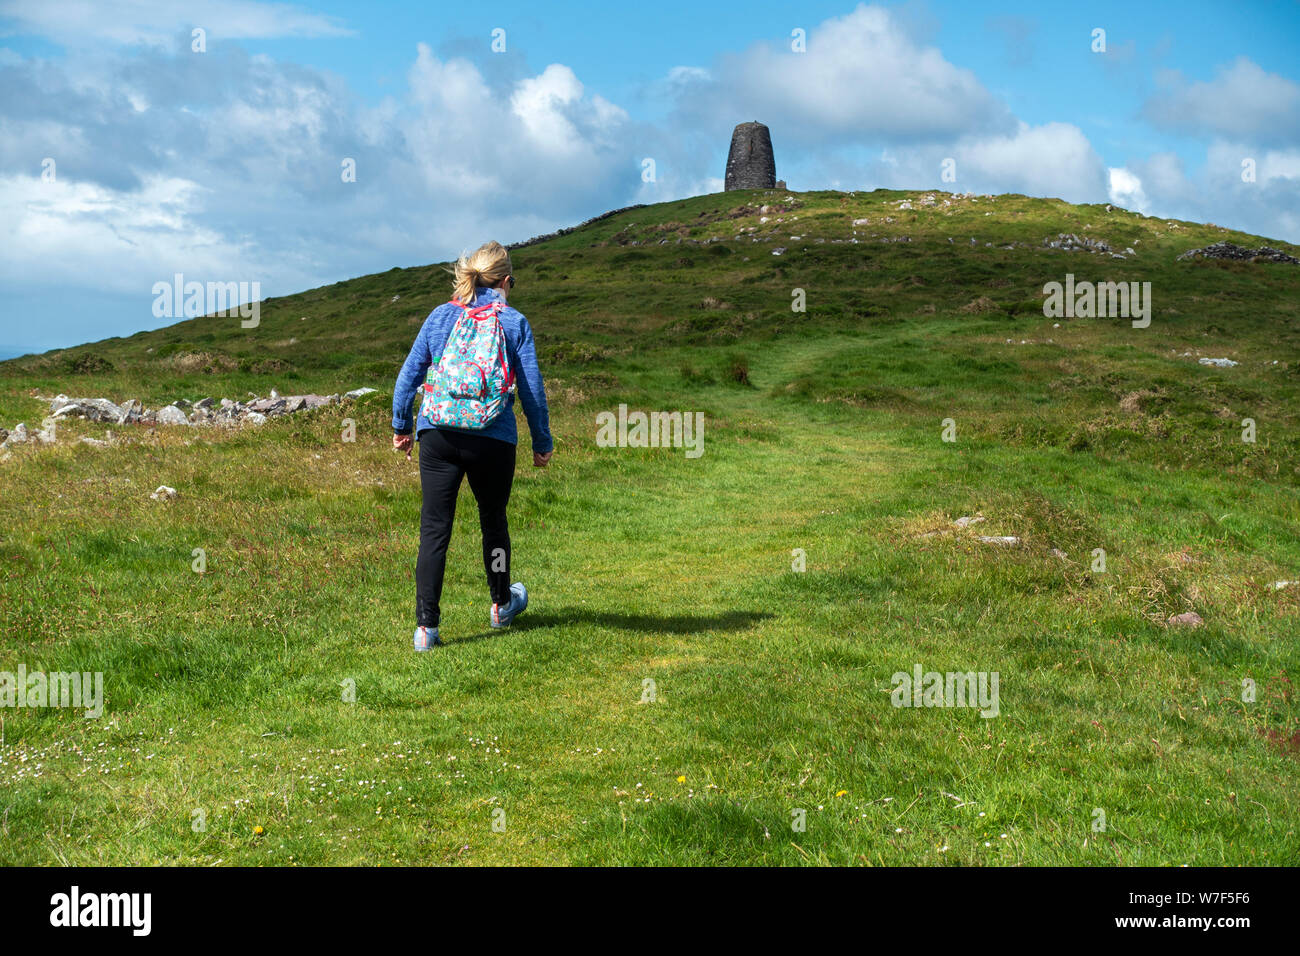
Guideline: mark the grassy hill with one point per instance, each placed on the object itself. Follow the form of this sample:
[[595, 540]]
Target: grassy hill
[[772, 687]]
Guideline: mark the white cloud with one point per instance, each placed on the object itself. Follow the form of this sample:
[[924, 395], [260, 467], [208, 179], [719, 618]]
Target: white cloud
[[1215, 191], [82, 234], [158, 22], [1126, 190], [1054, 159], [862, 76], [1243, 101]]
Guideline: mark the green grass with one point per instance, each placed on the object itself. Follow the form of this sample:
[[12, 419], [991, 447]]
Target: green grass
[[225, 690]]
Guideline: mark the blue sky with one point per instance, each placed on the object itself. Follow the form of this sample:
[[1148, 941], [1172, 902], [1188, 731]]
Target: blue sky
[[224, 164]]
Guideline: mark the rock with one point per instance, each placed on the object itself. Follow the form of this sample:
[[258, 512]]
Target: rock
[[87, 440], [170, 415], [274, 394], [1058, 553], [46, 435], [92, 409], [967, 520], [268, 406], [131, 411], [203, 403], [779, 250], [867, 222], [358, 392], [257, 418], [181, 403], [1227, 250], [1187, 619], [1005, 540], [1279, 585], [4, 435], [19, 434], [1217, 362], [148, 417], [163, 493]]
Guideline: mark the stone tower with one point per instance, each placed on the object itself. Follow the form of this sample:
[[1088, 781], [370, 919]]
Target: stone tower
[[750, 164]]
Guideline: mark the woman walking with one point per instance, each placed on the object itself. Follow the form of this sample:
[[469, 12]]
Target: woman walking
[[471, 355]]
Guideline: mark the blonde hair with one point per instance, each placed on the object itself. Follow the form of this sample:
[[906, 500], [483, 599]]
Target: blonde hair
[[485, 266]]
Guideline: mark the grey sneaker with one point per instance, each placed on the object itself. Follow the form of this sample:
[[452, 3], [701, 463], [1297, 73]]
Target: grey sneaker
[[426, 638], [504, 616]]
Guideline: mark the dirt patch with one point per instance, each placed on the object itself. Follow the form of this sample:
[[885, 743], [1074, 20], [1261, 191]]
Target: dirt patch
[[980, 306]]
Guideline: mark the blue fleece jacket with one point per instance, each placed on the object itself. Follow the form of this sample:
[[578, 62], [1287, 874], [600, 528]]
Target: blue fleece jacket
[[521, 353]]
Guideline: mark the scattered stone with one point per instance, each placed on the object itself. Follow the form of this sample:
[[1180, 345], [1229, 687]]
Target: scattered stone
[[163, 493], [1004, 540], [1227, 250], [861, 222], [19, 434], [92, 409], [1217, 362], [967, 520], [131, 411], [170, 415], [1069, 242], [778, 250], [206, 411], [1279, 585], [1058, 553], [1187, 619], [4, 435], [256, 418], [87, 440]]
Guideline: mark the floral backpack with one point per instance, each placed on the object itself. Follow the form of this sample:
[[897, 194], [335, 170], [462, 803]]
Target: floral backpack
[[472, 381]]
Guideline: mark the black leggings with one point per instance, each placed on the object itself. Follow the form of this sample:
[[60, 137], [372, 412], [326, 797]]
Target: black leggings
[[446, 456]]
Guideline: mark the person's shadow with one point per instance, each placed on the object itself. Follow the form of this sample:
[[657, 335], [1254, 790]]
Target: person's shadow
[[645, 623]]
